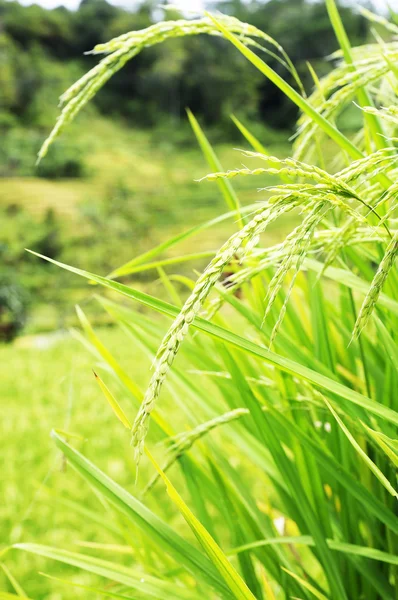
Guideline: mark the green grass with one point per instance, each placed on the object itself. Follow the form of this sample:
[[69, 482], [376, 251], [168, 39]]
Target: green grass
[[272, 399], [46, 381], [43, 387]]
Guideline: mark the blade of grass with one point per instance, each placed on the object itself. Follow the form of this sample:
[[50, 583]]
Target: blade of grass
[[364, 98], [107, 593], [253, 141], [307, 586], [107, 356], [146, 266], [180, 237], [390, 346], [228, 192], [367, 499], [385, 444], [114, 404], [287, 365], [17, 587], [306, 540], [349, 279], [169, 286], [238, 535], [167, 539], [147, 584], [232, 578], [98, 348], [368, 461]]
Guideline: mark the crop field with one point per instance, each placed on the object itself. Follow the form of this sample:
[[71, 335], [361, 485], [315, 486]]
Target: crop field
[[222, 391], [57, 389]]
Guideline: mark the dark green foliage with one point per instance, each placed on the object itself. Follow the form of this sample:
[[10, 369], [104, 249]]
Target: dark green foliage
[[20, 229], [19, 150], [13, 306], [67, 162], [22, 291]]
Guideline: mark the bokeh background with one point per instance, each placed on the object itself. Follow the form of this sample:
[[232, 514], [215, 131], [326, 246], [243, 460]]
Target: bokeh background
[[120, 180], [122, 177]]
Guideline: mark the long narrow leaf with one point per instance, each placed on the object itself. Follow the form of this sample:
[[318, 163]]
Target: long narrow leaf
[[236, 584], [167, 540], [306, 540], [144, 583], [282, 363]]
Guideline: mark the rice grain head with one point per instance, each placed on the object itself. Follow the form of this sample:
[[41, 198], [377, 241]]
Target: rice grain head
[[125, 47], [376, 286], [184, 441], [179, 329]]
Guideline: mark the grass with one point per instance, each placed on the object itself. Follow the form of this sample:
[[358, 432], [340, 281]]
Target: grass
[[295, 496], [55, 390]]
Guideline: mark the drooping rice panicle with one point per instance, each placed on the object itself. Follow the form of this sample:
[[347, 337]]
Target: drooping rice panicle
[[341, 238], [335, 190], [335, 182], [329, 187], [300, 169], [390, 113], [179, 329], [182, 442], [337, 243], [341, 86], [125, 47], [376, 286], [389, 199], [302, 193], [361, 171], [389, 213], [320, 240], [309, 193], [293, 245], [272, 257], [300, 249], [362, 166]]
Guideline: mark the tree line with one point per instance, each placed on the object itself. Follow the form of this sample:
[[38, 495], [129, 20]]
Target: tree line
[[42, 52]]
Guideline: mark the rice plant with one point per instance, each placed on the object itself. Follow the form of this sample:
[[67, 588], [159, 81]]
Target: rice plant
[[281, 378]]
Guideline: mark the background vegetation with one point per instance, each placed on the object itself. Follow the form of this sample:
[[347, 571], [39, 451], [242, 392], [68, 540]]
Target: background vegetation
[[118, 182], [90, 178]]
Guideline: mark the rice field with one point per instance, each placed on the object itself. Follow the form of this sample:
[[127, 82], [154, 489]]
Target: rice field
[[243, 438]]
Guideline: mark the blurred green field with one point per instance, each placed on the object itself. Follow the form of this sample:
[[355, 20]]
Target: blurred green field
[[140, 189], [47, 382], [45, 376]]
